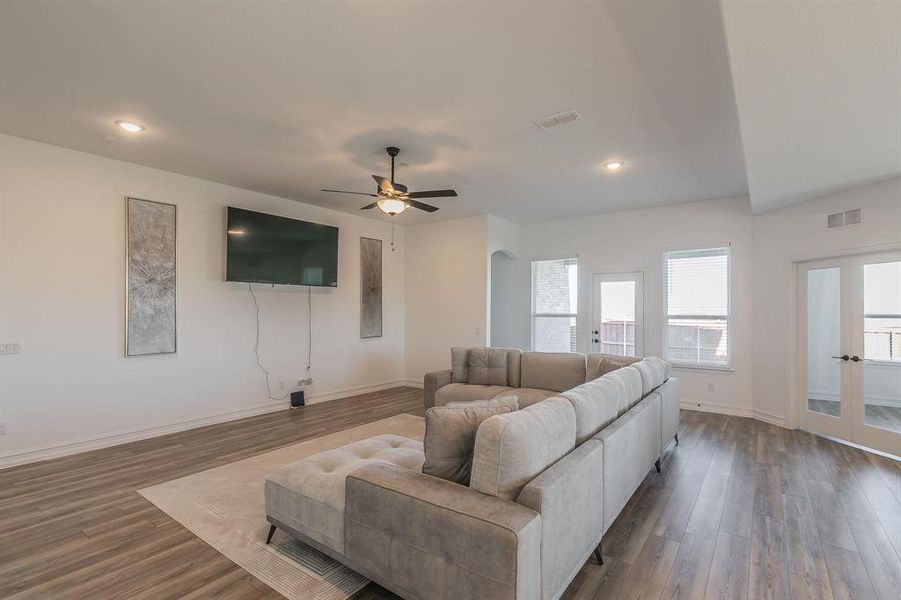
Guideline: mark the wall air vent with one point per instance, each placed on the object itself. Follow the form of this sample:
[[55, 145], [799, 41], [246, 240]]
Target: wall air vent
[[558, 119], [849, 217]]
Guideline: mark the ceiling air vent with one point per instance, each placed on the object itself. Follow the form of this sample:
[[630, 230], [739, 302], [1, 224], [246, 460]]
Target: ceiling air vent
[[849, 217], [558, 119]]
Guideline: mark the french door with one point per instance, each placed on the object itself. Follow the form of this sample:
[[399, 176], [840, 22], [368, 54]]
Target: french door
[[617, 311], [851, 349]]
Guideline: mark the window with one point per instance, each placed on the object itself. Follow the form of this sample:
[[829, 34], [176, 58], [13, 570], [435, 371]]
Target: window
[[696, 296], [554, 297]]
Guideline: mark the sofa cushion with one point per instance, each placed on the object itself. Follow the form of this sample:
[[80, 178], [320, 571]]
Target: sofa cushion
[[653, 373], [596, 404], [629, 381], [487, 366], [463, 392], [308, 495], [460, 365], [504, 399], [599, 364], [527, 396], [450, 435], [557, 371], [511, 449]]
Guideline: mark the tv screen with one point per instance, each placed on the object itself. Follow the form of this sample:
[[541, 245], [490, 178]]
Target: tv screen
[[265, 248]]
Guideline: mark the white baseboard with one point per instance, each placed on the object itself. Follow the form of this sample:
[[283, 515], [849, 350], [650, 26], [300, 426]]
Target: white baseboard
[[22, 457], [354, 391], [412, 383], [737, 411]]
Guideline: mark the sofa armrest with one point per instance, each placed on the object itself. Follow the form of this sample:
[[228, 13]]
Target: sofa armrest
[[432, 383], [424, 537]]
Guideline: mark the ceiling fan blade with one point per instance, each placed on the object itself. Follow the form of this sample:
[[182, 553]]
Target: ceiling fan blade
[[433, 194], [368, 206], [422, 206], [344, 192], [384, 184]]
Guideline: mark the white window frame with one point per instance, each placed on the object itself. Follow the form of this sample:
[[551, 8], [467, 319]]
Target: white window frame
[[728, 316], [532, 314]]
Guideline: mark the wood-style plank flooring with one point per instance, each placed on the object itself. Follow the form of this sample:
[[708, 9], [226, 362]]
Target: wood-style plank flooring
[[742, 509]]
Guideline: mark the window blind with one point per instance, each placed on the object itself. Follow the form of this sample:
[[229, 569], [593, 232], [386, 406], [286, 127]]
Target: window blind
[[697, 304], [554, 304]]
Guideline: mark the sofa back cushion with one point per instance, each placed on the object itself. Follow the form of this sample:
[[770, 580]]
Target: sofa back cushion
[[596, 404], [450, 436], [628, 379], [487, 366], [653, 373], [460, 365], [511, 449], [599, 364], [557, 371]]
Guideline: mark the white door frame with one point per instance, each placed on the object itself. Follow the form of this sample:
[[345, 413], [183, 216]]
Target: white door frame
[[597, 278]]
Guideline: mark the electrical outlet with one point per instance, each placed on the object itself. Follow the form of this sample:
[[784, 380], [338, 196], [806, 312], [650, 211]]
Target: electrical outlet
[[11, 348]]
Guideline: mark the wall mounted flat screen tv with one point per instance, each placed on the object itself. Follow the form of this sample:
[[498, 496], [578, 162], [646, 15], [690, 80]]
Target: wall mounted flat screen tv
[[265, 248]]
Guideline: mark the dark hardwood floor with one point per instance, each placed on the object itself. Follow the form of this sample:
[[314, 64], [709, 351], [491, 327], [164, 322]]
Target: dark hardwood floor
[[742, 509]]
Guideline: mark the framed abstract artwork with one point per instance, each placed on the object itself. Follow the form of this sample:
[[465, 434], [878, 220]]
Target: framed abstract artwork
[[370, 288], [150, 308]]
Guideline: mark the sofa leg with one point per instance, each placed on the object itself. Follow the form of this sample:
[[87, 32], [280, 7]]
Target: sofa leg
[[597, 554], [271, 532], [657, 465], [677, 439]]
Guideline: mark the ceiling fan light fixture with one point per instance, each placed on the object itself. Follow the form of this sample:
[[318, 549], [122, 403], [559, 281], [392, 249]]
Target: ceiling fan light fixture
[[392, 206]]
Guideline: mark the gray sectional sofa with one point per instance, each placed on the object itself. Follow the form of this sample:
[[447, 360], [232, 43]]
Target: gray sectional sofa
[[546, 483]]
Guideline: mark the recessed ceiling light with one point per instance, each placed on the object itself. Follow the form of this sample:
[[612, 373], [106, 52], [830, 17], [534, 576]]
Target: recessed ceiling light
[[130, 127], [614, 165]]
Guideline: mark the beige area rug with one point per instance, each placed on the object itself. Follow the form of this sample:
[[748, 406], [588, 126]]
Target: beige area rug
[[224, 507]]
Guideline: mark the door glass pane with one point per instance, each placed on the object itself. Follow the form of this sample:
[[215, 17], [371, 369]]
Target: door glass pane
[[824, 340], [882, 345], [617, 333]]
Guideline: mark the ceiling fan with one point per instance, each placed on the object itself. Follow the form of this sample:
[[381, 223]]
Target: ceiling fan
[[393, 197]]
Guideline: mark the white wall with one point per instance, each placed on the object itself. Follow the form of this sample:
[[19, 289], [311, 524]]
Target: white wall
[[795, 234], [62, 280], [635, 241], [446, 301]]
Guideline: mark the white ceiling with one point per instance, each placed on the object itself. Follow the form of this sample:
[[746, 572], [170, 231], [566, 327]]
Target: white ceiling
[[818, 85], [288, 98]]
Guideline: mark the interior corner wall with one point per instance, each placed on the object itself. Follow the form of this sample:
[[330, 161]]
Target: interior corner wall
[[446, 292], [62, 282], [780, 240]]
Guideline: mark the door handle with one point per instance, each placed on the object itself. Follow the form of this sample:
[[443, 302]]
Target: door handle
[[844, 357], [596, 341], [855, 358]]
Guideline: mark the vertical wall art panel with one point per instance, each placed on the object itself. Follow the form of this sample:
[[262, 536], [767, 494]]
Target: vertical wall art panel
[[371, 288], [150, 279]]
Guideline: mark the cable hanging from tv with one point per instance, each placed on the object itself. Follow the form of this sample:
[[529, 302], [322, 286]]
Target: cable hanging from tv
[[256, 346]]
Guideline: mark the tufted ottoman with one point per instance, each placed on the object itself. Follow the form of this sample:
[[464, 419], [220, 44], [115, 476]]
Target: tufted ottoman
[[307, 497]]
